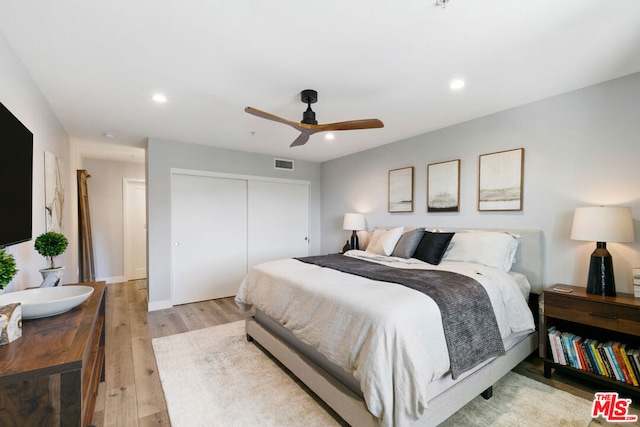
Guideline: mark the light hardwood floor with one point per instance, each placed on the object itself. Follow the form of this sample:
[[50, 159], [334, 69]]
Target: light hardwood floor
[[132, 394]]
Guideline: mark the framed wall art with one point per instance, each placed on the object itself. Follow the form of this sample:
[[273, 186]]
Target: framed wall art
[[53, 192], [401, 190], [443, 186], [500, 178]]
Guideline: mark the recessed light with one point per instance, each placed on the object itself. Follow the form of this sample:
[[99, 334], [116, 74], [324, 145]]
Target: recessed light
[[159, 98], [456, 84], [108, 135], [329, 136]]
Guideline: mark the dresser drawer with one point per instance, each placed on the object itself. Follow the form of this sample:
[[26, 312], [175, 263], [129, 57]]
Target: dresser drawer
[[595, 313]]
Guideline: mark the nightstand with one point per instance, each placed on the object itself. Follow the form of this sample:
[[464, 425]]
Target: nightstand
[[596, 317]]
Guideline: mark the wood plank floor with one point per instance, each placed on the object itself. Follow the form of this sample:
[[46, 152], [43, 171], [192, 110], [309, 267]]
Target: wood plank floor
[[132, 394]]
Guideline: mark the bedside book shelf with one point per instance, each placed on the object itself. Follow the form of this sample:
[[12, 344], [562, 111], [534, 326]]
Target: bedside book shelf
[[593, 336]]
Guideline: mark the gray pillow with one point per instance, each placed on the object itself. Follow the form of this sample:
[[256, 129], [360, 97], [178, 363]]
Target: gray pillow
[[408, 243]]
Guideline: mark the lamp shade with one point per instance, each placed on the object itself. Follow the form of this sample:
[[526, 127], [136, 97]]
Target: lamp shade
[[353, 221], [603, 224]]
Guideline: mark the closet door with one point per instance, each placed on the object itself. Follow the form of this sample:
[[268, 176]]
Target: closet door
[[278, 221], [209, 234]]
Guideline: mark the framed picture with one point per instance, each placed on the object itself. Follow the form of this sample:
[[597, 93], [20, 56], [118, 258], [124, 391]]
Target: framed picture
[[401, 190], [443, 186], [53, 192], [500, 181]]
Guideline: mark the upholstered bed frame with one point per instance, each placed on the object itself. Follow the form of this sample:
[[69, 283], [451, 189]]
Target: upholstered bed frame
[[336, 388]]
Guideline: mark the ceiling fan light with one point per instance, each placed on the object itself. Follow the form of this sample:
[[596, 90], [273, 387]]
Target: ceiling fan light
[[329, 136]]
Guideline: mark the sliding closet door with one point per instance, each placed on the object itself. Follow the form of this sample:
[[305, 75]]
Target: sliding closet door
[[209, 234], [278, 221]]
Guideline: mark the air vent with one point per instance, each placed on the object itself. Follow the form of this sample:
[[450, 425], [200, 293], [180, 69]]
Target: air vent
[[283, 164]]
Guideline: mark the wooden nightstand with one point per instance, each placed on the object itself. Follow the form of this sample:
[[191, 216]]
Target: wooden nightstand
[[592, 316]]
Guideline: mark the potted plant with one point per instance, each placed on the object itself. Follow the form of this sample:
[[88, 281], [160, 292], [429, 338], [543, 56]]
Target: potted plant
[[50, 245], [7, 268]]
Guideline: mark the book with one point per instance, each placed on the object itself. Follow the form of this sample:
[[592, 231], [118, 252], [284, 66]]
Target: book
[[627, 363], [552, 343], [634, 358], [567, 346], [593, 344], [605, 360], [617, 374], [576, 341], [559, 350], [584, 349], [615, 346]]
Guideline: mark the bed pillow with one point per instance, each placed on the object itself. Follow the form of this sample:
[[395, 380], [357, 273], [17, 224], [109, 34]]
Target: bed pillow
[[408, 243], [432, 247], [383, 242], [490, 248]]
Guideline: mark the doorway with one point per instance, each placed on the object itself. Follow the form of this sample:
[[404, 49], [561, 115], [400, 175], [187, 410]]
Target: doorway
[[135, 228]]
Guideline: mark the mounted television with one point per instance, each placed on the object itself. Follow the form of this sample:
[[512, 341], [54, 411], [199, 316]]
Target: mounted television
[[16, 179]]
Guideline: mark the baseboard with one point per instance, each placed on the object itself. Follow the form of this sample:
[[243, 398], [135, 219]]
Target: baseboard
[[109, 280], [159, 305]]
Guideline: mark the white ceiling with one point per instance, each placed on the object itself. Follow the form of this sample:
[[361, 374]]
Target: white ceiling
[[99, 62]]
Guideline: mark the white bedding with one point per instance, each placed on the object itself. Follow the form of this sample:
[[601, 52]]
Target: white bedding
[[383, 333]]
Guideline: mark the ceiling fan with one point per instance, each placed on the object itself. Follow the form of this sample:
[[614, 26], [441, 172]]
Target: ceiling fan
[[308, 126]]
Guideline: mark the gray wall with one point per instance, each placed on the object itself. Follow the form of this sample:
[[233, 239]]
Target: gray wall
[[19, 93], [107, 220], [581, 149], [163, 155]]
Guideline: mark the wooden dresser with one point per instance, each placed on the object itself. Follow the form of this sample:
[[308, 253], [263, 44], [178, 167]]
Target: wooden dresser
[[50, 376]]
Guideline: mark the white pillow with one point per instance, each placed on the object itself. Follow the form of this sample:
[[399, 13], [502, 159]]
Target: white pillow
[[490, 248], [383, 242]]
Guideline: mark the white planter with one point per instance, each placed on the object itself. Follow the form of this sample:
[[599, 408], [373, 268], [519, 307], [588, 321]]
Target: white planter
[[51, 276]]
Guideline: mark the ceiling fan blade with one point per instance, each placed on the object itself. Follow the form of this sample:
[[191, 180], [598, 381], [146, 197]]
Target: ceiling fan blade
[[301, 140], [273, 117], [350, 125]]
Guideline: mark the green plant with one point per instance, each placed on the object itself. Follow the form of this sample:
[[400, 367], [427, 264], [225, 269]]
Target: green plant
[[50, 245], [7, 268]]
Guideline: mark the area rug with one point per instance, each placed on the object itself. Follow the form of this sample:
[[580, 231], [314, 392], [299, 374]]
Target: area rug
[[214, 377]]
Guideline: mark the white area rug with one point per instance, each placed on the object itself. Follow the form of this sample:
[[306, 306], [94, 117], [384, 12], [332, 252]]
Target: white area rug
[[521, 401], [214, 377]]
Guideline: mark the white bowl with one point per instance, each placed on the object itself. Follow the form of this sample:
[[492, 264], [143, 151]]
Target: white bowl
[[44, 302]]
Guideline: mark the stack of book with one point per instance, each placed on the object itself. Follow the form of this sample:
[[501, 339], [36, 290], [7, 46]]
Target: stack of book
[[611, 359], [636, 282]]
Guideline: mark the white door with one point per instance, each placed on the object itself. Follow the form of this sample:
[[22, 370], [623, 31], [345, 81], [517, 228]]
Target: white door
[[135, 229], [278, 221], [209, 233]]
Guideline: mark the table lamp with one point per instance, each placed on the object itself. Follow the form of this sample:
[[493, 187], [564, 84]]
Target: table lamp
[[353, 222], [602, 224]]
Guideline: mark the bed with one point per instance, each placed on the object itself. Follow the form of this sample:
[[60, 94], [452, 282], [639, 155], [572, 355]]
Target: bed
[[375, 351]]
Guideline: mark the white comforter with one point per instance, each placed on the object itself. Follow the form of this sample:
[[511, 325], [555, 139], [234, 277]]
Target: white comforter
[[389, 336]]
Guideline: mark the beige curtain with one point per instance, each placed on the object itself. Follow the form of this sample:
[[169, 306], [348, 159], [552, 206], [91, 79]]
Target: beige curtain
[[87, 268]]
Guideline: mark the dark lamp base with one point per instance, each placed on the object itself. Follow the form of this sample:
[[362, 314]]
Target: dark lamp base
[[601, 280], [354, 240]]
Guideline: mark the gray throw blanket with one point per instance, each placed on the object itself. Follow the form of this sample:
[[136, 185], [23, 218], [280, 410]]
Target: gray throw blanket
[[470, 325]]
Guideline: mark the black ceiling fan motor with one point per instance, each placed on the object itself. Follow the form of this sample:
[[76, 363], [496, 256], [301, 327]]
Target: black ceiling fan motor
[[309, 96]]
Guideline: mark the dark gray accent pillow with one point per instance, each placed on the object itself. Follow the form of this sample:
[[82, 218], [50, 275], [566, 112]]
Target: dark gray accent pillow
[[408, 243], [432, 247]]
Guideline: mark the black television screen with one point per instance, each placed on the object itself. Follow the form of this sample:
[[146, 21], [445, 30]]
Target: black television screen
[[16, 179]]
